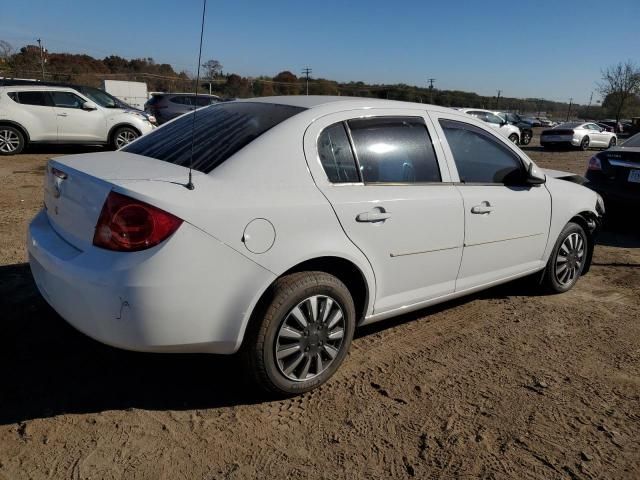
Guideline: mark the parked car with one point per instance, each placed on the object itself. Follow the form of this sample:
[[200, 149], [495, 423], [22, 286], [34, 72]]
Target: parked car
[[584, 135], [534, 122], [613, 124], [545, 122], [526, 132], [510, 131], [615, 174], [167, 106], [605, 127], [280, 224], [44, 114]]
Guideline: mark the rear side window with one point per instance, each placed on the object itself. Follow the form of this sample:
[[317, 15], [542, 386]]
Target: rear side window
[[181, 100], [220, 131], [394, 150], [480, 158], [66, 100], [336, 155], [32, 98]]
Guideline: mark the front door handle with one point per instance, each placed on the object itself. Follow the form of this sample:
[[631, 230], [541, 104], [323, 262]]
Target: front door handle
[[63, 114], [375, 215], [483, 208]]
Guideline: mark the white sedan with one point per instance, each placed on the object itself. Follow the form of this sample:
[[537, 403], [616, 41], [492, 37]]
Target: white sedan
[[304, 218], [578, 134]]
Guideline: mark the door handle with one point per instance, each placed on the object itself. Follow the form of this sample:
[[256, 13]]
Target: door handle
[[63, 114], [483, 208], [375, 215]]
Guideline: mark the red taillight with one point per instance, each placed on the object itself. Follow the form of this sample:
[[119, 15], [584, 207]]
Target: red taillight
[[594, 163], [129, 225]]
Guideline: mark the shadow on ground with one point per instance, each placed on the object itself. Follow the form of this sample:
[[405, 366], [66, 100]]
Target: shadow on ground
[[48, 368]]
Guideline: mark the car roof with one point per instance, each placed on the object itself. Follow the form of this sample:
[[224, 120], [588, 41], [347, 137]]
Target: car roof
[[36, 87], [182, 94], [339, 102]]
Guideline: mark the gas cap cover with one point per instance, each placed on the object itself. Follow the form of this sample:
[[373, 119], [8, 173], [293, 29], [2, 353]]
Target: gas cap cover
[[259, 235]]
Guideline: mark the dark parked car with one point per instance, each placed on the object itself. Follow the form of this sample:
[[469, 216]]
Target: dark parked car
[[526, 132], [615, 174], [167, 106], [606, 127]]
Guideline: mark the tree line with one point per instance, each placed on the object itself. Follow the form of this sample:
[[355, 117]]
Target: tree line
[[619, 86]]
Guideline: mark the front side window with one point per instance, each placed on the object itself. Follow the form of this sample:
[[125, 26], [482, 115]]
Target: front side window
[[32, 98], [491, 118], [220, 131], [336, 156], [480, 158], [394, 150], [66, 100]]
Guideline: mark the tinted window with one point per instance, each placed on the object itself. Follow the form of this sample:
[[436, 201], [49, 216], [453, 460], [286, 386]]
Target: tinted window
[[66, 100], [220, 131], [481, 115], [33, 98], [479, 157], [181, 100], [491, 118], [204, 101], [336, 155], [395, 150]]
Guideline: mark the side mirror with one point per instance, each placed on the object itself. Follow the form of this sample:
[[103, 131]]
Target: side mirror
[[535, 176], [503, 123], [89, 106]]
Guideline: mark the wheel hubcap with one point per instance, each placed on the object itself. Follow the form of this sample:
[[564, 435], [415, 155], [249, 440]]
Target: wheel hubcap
[[125, 137], [9, 141], [570, 259], [310, 338]]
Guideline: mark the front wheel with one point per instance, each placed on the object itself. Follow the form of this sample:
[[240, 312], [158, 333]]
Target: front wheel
[[514, 138], [567, 261], [123, 136], [612, 142], [526, 138], [302, 335]]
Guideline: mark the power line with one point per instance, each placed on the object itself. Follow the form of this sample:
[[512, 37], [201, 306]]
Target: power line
[[306, 71]]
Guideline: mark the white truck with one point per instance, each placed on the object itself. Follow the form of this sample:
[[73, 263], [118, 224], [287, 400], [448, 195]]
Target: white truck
[[132, 93]]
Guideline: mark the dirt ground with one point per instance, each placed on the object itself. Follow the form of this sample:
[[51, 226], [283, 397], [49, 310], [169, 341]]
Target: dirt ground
[[504, 384]]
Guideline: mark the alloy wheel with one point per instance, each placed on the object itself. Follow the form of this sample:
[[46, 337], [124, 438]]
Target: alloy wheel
[[124, 137], [570, 259], [9, 141], [310, 338]]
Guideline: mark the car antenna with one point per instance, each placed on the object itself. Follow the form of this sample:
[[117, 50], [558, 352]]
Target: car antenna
[[190, 184]]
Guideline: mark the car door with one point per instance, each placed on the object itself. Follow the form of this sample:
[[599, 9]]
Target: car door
[[597, 137], [36, 114], [76, 124], [506, 220], [389, 187]]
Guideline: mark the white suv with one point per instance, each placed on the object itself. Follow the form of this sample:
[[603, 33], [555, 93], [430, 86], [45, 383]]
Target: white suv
[[510, 131], [47, 114]]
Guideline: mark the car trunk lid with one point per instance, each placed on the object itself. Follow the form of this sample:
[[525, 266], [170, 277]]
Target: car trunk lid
[[76, 187]]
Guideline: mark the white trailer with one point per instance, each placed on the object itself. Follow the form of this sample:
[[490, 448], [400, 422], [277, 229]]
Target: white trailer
[[133, 93]]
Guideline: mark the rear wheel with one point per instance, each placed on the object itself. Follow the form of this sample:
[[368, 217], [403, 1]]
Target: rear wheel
[[612, 142], [584, 143], [11, 140], [526, 138], [123, 136], [302, 335], [567, 260], [514, 138]]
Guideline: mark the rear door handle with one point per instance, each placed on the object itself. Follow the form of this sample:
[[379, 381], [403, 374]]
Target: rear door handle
[[375, 215], [484, 207]]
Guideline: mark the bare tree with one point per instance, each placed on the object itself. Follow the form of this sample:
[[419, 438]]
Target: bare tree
[[6, 50], [619, 83], [212, 68]]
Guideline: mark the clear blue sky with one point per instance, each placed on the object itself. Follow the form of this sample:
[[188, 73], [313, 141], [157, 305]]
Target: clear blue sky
[[549, 49]]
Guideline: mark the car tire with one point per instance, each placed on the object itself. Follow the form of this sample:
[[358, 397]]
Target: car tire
[[567, 260], [584, 143], [123, 136], [286, 358], [612, 142], [514, 138], [11, 140], [526, 138]]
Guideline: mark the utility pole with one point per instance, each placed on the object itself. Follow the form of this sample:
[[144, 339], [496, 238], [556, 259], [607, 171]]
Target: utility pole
[[569, 111], [431, 80], [306, 71], [41, 58], [589, 106], [498, 100]]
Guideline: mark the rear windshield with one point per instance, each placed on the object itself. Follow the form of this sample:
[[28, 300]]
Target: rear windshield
[[220, 131]]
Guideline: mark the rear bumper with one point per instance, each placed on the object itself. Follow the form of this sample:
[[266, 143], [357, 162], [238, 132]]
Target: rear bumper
[[189, 294]]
